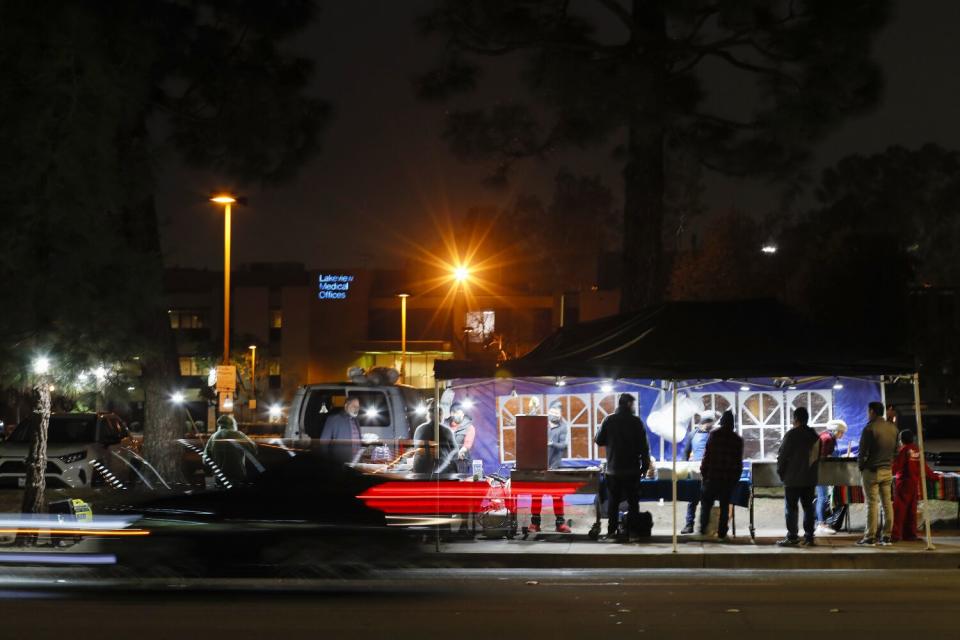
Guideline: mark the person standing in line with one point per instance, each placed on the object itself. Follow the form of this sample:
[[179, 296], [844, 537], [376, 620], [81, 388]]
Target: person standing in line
[[891, 414], [828, 445], [696, 446], [558, 441], [721, 469], [797, 468], [878, 447], [906, 491], [628, 457], [465, 434]]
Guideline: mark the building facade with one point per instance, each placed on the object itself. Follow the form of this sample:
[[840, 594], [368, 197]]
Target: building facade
[[311, 326]]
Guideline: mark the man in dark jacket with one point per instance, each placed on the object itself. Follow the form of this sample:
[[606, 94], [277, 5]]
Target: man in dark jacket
[[558, 441], [432, 457], [878, 448], [341, 433], [721, 468], [797, 468], [628, 458]]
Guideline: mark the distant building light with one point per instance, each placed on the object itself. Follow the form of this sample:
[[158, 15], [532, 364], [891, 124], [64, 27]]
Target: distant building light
[[769, 249]]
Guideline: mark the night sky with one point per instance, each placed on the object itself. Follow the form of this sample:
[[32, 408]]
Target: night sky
[[383, 161]]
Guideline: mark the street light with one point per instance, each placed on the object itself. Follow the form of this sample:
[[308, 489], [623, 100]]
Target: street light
[[461, 274], [403, 336], [274, 412], [41, 365], [227, 201], [769, 248], [178, 399]]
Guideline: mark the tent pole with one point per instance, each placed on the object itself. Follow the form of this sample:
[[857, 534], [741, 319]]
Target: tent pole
[[673, 476], [923, 460], [435, 454], [883, 392], [662, 455]]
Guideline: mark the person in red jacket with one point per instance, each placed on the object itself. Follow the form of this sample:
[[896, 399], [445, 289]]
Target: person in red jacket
[[906, 488]]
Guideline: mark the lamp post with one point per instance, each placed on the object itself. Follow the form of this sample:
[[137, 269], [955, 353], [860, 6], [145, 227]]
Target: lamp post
[[253, 378], [403, 336], [461, 277], [227, 202]]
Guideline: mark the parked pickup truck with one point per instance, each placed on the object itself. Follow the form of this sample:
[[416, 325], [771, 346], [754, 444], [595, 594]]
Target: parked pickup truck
[[389, 414]]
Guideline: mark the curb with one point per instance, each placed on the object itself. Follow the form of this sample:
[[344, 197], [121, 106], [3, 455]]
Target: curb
[[858, 561]]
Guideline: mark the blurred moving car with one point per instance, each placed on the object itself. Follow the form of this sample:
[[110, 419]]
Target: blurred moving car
[[941, 435], [300, 515], [83, 449]]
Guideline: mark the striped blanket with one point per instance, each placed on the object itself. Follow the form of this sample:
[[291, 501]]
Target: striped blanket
[[946, 487]]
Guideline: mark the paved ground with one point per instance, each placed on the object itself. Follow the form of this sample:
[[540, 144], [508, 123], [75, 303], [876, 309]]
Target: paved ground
[[834, 552], [499, 604]]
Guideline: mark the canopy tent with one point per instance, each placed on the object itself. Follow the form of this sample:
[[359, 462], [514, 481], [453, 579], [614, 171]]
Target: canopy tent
[[696, 340], [677, 346]]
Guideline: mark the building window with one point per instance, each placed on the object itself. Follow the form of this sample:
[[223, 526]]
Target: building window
[[762, 425], [480, 325], [276, 318], [192, 366], [273, 367], [187, 319]]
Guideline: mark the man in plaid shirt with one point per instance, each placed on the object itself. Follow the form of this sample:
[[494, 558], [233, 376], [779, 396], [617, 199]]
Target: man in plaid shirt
[[721, 468]]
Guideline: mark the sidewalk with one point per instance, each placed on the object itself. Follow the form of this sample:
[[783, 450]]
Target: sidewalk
[[578, 552]]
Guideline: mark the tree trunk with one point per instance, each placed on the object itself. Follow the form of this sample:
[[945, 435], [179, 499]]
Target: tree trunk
[[163, 422], [642, 278], [35, 484], [162, 425]]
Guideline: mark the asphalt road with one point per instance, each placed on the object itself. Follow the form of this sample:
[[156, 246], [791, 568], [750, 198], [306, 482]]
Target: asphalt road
[[493, 604]]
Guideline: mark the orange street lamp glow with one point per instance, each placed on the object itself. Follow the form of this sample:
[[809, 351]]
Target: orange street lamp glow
[[461, 274], [226, 200]]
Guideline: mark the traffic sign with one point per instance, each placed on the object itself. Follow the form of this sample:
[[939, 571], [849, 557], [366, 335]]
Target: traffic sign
[[226, 378]]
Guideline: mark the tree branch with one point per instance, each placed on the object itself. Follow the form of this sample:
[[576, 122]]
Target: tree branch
[[617, 9], [749, 66]]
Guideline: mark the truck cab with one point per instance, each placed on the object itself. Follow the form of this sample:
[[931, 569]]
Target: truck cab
[[388, 413]]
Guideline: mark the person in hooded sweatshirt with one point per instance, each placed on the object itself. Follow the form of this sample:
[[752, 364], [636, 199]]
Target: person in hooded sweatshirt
[[906, 489], [797, 468], [558, 441], [721, 468], [696, 442], [228, 449]]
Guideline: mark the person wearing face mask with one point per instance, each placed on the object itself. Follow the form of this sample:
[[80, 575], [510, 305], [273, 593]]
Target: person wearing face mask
[[558, 441], [465, 433], [341, 433]]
